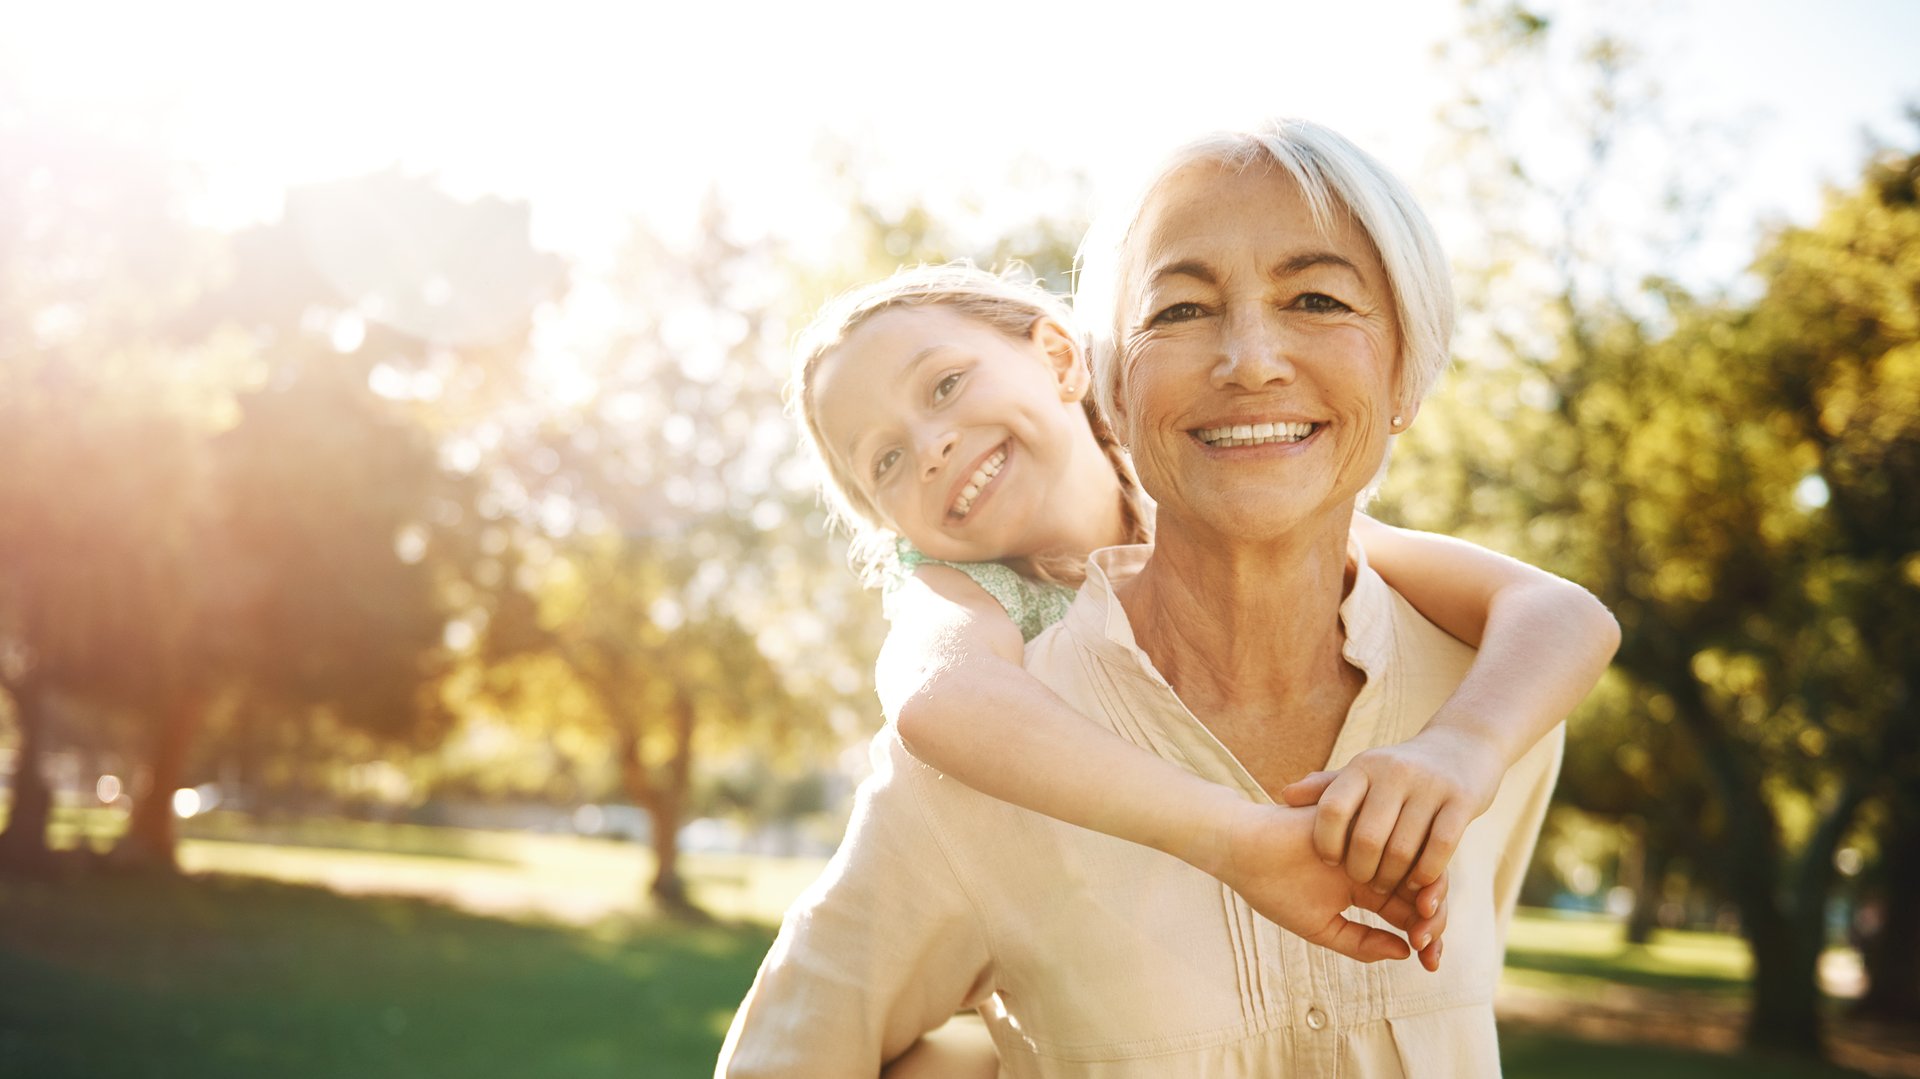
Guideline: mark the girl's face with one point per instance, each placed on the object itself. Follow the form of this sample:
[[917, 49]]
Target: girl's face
[[966, 441]]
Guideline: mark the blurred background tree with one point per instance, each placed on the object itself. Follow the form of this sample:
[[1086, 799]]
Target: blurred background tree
[[1702, 464]]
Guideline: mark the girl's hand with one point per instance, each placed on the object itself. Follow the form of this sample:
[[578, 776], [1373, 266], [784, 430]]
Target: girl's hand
[[1394, 815], [1272, 864]]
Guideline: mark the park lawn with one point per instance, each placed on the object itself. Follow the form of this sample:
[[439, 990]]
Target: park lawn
[[210, 977], [1572, 953], [1535, 1054], [257, 970]]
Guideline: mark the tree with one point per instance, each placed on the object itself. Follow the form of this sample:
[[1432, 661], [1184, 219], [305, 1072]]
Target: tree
[[1837, 340], [310, 595], [676, 591], [1651, 445], [103, 402]]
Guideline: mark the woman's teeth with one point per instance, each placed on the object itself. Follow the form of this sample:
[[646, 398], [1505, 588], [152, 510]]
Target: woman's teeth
[[988, 469], [1255, 434]]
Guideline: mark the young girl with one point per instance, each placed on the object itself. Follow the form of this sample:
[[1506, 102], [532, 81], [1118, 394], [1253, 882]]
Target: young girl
[[950, 409]]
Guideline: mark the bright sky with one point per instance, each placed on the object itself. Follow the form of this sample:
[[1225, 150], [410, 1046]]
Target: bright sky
[[596, 113]]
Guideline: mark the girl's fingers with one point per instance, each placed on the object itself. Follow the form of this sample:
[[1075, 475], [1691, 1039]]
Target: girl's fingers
[[1404, 846], [1338, 803], [1442, 841], [1372, 829]]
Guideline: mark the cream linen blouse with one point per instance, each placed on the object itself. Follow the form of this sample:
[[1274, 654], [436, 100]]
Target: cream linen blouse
[[1091, 956]]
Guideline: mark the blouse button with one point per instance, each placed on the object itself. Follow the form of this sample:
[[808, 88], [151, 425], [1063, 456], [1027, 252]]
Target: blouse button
[[1316, 1019]]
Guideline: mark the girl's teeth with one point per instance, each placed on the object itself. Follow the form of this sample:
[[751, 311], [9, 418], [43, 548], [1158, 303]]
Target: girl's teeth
[[988, 470]]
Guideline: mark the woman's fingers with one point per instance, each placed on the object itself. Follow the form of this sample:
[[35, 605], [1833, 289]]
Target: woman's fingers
[[1430, 899], [1367, 943], [1427, 933], [1307, 790]]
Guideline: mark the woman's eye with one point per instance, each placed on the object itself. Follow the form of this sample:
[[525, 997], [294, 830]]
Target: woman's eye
[[1320, 301], [1179, 312], [884, 463], [945, 387]]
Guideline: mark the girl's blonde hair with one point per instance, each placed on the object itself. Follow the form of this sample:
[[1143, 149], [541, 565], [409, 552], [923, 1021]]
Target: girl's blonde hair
[[1003, 302]]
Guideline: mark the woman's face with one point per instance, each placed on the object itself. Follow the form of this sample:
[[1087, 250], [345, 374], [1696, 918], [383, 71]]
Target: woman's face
[[1259, 356], [959, 435]]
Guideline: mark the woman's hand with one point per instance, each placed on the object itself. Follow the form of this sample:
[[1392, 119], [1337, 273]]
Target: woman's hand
[[1394, 815], [1271, 862]]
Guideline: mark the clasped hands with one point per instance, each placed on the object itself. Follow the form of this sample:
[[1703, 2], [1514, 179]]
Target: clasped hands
[[1376, 834]]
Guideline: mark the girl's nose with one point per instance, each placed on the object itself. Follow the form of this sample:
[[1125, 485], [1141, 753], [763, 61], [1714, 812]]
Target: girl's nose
[[935, 448]]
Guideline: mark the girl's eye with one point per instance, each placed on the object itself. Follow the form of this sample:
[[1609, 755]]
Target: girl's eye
[[945, 387], [1180, 312], [1320, 301], [884, 463]]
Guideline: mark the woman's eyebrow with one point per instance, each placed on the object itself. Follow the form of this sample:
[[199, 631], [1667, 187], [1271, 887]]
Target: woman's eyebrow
[[1287, 267], [1193, 268], [1307, 260]]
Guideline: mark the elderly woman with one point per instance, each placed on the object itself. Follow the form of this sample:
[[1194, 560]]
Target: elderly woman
[[1279, 279]]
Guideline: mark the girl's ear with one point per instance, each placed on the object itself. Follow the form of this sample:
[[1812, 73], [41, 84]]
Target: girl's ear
[[1062, 352]]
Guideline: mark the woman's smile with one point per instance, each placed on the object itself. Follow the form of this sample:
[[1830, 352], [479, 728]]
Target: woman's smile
[[1244, 435]]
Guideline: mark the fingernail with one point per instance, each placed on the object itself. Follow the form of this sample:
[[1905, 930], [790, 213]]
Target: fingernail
[[1381, 889], [1425, 939], [1328, 862]]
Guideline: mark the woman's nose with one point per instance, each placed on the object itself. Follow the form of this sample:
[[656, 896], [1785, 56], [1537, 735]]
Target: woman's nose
[[1254, 352]]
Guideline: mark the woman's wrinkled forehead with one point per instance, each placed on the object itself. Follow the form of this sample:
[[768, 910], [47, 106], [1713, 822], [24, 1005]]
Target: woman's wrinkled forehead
[[1206, 204]]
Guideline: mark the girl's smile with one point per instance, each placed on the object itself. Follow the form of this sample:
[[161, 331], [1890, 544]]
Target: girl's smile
[[967, 441]]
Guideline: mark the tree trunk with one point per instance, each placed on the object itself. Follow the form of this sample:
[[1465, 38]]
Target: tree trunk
[[663, 799], [150, 842], [667, 887], [23, 845], [1785, 1014], [1892, 952], [1649, 859]]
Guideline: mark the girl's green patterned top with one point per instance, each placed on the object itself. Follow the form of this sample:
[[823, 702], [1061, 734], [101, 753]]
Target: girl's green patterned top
[[1033, 605]]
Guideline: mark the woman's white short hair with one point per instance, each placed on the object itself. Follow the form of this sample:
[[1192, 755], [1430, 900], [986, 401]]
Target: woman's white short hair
[[1335, 176]]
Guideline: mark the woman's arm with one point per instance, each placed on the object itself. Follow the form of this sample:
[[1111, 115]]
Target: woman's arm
[[1398, 812], [950, 678]]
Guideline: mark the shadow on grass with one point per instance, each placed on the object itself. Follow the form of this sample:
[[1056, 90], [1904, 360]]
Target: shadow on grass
[[208, 977], [1542, 1054], [1630, 965]]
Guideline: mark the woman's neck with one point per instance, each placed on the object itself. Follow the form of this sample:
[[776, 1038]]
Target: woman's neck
[[1250, 628]]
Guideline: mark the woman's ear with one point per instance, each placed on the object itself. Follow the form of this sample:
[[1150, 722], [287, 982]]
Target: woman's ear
[[1403, 417], [1063, 355]]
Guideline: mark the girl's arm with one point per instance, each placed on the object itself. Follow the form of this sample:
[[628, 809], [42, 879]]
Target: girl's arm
[[951, 680], [1543, 642]]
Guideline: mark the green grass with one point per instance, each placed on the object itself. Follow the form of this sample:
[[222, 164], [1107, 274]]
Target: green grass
[[1574, 953], [205, 978], [252, 969]]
